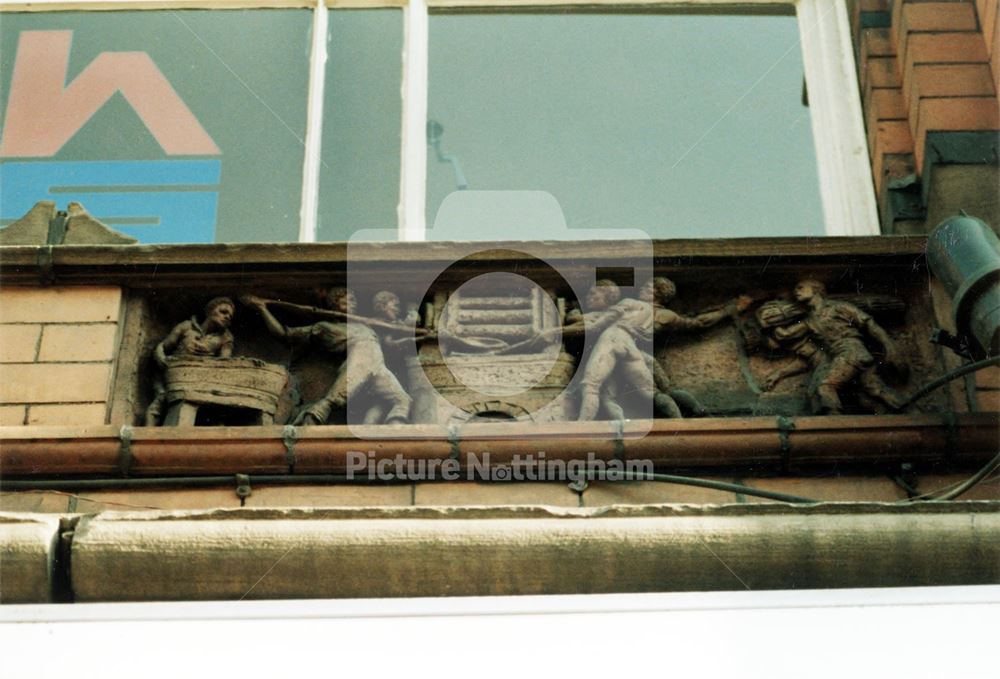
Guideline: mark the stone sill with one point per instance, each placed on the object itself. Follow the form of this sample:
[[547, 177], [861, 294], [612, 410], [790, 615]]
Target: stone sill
[[963, 439], [412, 552]]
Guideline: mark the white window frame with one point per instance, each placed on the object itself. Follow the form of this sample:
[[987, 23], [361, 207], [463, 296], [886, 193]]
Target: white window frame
[[846, 187]]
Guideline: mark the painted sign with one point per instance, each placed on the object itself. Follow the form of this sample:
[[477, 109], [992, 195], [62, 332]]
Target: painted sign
[[155, 123]]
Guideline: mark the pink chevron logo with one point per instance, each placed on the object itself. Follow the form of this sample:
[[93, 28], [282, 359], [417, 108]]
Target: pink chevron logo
[[43, 112]]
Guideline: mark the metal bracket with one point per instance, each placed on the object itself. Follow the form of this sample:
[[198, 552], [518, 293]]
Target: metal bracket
[[57, 228], [243, 489], [46, 266], [619, 427], [454, 440], [579, 486], [125, 450], [950, 421], [288, 437], [907, 480], [786, 425], [958, 345]]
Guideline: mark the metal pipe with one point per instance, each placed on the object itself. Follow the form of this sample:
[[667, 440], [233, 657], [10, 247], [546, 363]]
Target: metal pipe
[[962, 438]]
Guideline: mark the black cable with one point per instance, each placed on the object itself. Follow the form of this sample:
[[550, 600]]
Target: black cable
[[948, 377], [8, 485], [714, 485]]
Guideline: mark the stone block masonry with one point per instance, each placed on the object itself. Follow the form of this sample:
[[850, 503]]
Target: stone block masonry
[[57, 349]]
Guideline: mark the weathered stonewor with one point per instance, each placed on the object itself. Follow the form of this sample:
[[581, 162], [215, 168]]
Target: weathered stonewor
[[492, 360], [233, 382]]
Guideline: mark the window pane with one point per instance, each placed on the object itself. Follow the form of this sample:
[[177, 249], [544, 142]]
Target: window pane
[[171, 126], [359, 176], [681, 125]]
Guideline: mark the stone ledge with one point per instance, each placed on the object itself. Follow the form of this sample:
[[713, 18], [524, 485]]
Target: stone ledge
[[28, 545], [452, 552]]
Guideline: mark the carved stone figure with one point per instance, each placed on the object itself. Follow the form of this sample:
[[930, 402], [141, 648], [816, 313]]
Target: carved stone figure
[[363, 368], [195, 368], [840, 329], [659, 291], [210, 338], [782, 329], [625, 343], [395, 332]]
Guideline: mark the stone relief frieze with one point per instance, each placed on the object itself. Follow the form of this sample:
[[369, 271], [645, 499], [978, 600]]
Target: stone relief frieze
[[494, 348]]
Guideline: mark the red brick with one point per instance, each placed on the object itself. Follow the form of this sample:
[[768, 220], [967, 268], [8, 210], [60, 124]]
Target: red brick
[[988, 400], [937, 16], [988, 378], [873, 5], [892, 137], [92, 501], [946, 80], [879, 72], [331, 496], [468, 493], [893, 166], [933, 17], [653, 492], [885, 104], [995, 57], [954, 114], [835, 489], [942, 48], [875, 42], [985, 490], [987, 11], [951, 80]]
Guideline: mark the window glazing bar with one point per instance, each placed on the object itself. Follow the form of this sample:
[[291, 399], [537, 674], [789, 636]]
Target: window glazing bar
[[413, 173], [846, 186], [314, 127]]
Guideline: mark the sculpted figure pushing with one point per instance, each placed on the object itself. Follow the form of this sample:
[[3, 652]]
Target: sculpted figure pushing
[[841, 328], [627, 328], [363, 369]]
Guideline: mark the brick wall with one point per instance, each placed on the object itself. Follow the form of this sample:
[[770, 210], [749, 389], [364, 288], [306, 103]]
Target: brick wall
[[463, 494], [925, 68], [57, 347]]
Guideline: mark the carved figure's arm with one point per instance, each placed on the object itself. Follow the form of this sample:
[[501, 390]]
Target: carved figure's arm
[[771, 380], [876, 332], [170, 342], [226, 349], [272, 324], [595, 323], [671, 320]]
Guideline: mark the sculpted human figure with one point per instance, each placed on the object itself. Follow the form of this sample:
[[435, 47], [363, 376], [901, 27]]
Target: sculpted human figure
[[782, 325], [625, 342], [840, 328], [363, 368], [659, 291], [210, 338], [395, 331]]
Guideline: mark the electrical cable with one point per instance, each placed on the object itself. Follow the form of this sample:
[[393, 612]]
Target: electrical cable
[[8, 485], [990, 467], [948, 377]]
